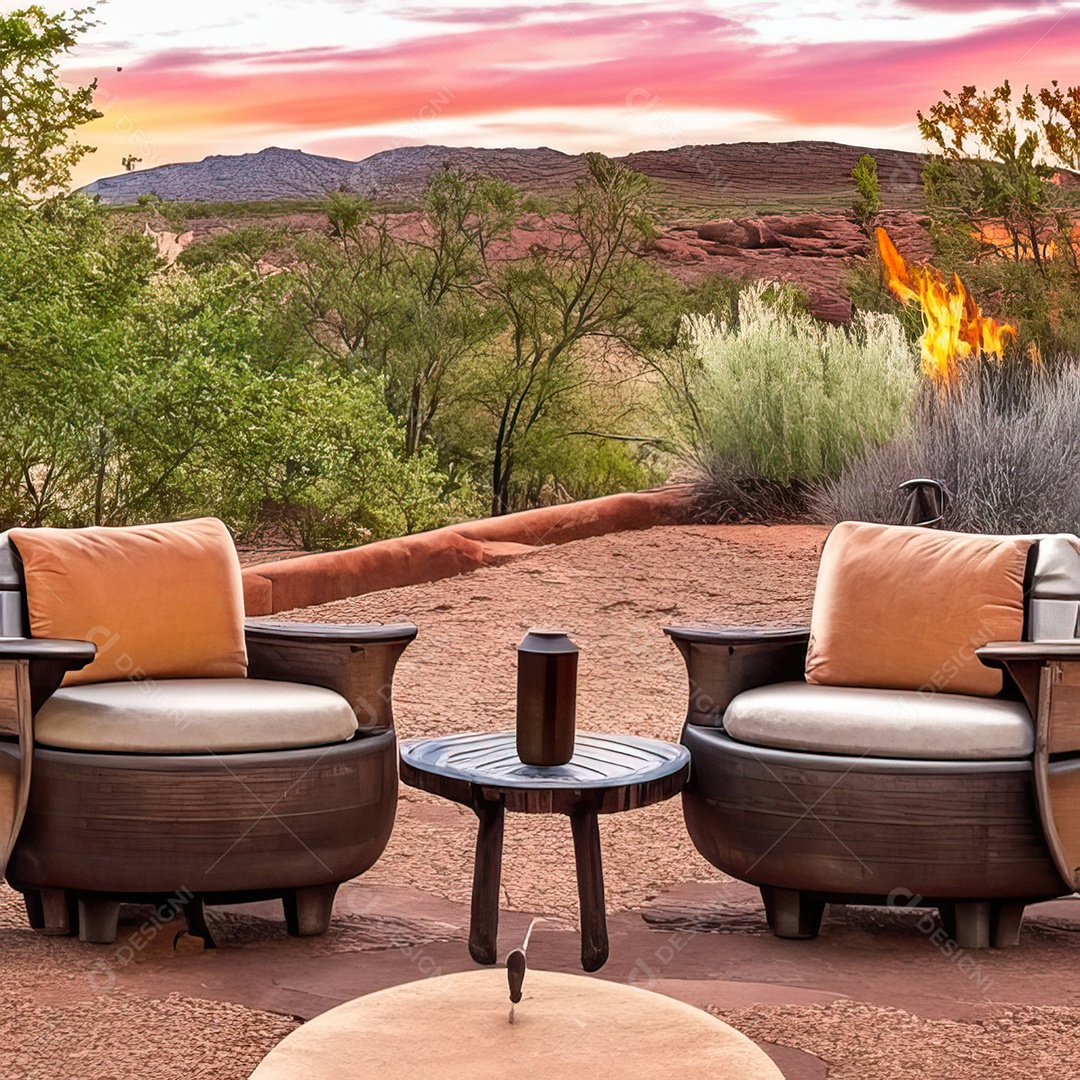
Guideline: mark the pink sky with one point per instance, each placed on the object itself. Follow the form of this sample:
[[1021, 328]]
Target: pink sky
[[352, 77]]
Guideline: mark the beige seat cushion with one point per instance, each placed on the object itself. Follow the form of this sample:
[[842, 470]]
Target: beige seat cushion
[[193, 716], [881, 723]]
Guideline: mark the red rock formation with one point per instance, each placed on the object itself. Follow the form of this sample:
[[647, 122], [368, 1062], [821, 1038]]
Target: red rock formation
[[815, 251]]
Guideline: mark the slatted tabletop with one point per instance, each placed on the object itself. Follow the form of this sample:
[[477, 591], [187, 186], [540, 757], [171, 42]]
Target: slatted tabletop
[[619, 771]]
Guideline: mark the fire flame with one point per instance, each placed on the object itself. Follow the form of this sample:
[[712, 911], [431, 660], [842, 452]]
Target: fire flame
[[954, 327]]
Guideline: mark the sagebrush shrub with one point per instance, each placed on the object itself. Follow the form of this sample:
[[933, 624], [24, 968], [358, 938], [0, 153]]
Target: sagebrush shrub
[[779, 401]]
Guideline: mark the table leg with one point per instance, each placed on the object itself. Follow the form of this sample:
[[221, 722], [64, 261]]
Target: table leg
[[590, 879], [487, 876]]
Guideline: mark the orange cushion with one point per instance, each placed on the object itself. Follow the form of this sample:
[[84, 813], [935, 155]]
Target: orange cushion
[[905, 608], [159, 601]]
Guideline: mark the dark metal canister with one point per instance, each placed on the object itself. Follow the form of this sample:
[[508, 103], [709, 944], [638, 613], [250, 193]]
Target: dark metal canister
[[546, 698]]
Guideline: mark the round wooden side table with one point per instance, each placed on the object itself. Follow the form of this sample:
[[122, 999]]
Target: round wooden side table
[[607, 774]]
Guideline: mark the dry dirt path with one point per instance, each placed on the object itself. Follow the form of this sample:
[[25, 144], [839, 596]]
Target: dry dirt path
[[613, 594]]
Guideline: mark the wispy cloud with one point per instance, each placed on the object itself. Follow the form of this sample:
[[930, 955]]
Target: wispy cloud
[[1021, 7], [544, 67]]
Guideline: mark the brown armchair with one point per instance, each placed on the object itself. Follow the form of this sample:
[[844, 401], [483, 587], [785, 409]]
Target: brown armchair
[[916, 797], [279, 783]]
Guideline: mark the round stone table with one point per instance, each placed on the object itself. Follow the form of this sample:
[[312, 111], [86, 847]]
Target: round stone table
[[456, 1027]]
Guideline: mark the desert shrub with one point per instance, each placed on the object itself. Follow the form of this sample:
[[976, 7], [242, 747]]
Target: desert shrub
[[246, 246], [867, 202], [1005, 441], [778, 402]]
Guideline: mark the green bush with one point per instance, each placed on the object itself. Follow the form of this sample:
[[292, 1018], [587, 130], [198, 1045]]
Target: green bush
[[867, 202], [326, 465], [134, 393], [779, 401]]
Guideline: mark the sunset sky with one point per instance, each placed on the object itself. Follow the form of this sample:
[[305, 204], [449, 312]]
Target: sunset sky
[[352, 77]]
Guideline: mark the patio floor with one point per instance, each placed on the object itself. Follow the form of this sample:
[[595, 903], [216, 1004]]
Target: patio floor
[[872, 997]]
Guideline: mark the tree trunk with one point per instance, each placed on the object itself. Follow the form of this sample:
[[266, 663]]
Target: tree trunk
[[99, 480], [500, 467], [500, 482], [412, 423]]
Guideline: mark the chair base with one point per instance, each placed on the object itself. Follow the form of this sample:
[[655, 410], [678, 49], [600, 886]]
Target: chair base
[[102, 829], [791, 913], [811, 829], [95, 916], [969, 924]]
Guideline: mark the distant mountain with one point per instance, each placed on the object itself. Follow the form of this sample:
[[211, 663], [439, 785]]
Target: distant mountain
[[403, 172], [270, 174], [690, 178], [789, 175]]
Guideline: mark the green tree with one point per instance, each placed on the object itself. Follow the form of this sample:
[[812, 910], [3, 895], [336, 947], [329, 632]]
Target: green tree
[[66, 279], [38, 114], [572, 313], [997, 156], [405, 304], [517, 369], [134, 392], [867, 202]]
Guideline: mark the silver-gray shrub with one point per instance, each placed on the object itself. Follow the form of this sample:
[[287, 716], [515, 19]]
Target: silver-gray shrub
[[1005, 441]]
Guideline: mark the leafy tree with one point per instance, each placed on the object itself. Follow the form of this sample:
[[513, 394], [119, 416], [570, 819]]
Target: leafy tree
[[344, 212], [571, 310], [1060, 122], [65, 280], [997, 159], [515, 368], [246, 246], [133, 392], [867, 203], [328, 465], [407, 306], [38, 114]]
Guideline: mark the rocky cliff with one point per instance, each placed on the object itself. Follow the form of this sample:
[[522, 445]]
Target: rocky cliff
[[815, 251]]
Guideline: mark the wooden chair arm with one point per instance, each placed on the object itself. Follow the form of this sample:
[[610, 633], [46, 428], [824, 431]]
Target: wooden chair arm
[[1048, 675], [31, 669], [49, 660], [724, 661], [355, 660], [1023, 663]]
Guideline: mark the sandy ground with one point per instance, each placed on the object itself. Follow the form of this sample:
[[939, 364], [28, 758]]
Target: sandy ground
[[613, 595], [871, 999]]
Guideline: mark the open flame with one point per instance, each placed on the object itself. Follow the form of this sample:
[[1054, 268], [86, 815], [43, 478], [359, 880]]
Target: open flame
[[954, 327]]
